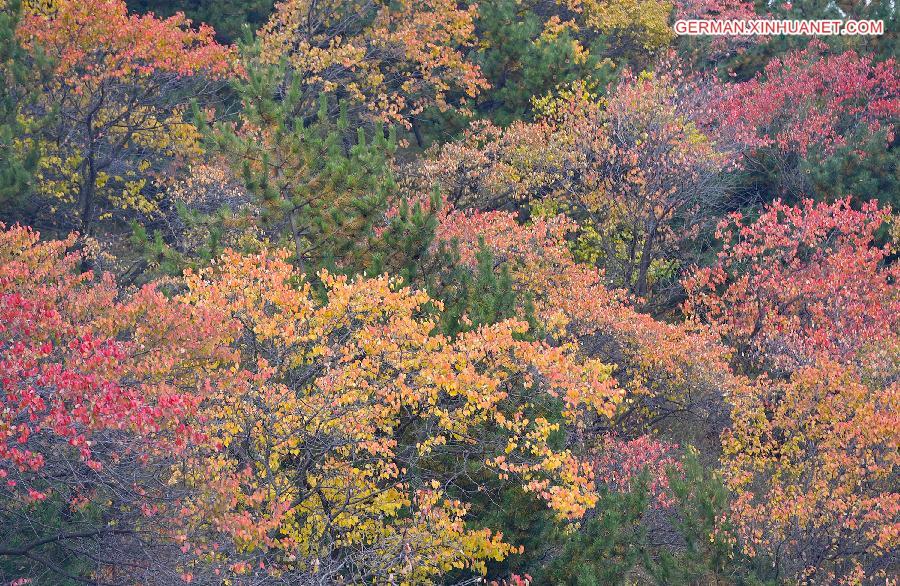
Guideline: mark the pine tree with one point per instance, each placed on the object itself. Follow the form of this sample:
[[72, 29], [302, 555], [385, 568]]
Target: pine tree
[[522, 61], [607, 547], [319, 190], [403, 247], [707, 553], [17, 160], [475, 297], [866, 167]]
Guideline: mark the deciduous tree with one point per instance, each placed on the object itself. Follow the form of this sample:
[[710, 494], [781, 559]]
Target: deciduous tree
[[672, 374], [119, 87], [342, 448], [813, 462], [806, 104], [800, 283], [99, 397], [634, 171], [392, 59]]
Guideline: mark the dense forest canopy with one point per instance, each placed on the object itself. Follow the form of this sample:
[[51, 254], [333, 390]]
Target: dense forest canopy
[[513, 292]]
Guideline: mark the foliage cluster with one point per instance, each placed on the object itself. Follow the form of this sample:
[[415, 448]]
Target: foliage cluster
[[438, 292]]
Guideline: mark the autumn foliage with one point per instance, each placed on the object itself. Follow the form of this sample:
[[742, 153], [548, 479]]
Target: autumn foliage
[[834, 95], [600, 163], [393, 61], [800, 283], [129, 45], [520, 292], [116, 88], [812, 460], [100, 397], [341, 415], [804, 295]]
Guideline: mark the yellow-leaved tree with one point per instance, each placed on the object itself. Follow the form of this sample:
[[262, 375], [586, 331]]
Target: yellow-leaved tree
[[392, 59], [348, 435], [118, 93]]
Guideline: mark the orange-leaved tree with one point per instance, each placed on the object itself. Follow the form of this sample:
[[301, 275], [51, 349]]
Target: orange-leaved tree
[[810, 304], [351, 434], [674, 377], [254, 425], [813, 464], [119, 91]]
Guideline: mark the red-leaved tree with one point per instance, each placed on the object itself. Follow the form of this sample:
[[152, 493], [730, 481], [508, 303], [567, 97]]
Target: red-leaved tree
[[98, 394], [800, 283], [812, 306]]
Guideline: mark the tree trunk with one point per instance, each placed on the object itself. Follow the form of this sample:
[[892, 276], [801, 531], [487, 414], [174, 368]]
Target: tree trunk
[[644, 267]]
